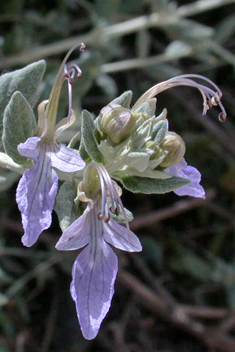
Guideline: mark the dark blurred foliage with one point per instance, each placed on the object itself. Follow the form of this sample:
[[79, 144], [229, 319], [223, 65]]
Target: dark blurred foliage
[[178, 295]]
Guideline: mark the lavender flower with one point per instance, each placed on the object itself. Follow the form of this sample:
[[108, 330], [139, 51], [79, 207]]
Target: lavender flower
[[95, 269], [37, 188], [183, 170]]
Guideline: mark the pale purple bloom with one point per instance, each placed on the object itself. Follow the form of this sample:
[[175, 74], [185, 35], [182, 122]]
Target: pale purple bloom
[[38, 186], [95, 269], [194, 189]]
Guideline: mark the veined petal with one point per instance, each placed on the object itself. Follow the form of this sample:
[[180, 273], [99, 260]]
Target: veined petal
[[30, 148], [35, 194], [77, 235], [120, 237], [66, 159], [194, 189], [92, 287]]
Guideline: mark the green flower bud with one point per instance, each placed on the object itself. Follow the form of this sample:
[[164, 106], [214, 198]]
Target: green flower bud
[[175, 146], [116, 122], [89, 188], [155, 151]]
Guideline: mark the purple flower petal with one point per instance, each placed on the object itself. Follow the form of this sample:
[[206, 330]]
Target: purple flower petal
[[66, 159], [77, 235], [120, 237], [92, 287], [95, 269], [194, 189], [30, 148], [36, 192]]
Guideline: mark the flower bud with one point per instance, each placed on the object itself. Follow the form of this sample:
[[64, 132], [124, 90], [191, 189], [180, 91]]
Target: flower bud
[[155, 151], [116, 122], [175, 146]]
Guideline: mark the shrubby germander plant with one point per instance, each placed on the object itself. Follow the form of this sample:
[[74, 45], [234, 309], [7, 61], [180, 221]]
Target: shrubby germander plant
[[131, 145]]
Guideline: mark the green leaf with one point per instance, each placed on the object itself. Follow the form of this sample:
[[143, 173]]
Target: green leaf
[[146, 185], [25, 80], [7, 179], [19, 124], [89, 141], [107, 9], [187, 262], [225, 29], [82, 151], [64, 205], [159, 131], [190, 32], [124, 100], [108, 85], [6, 162]]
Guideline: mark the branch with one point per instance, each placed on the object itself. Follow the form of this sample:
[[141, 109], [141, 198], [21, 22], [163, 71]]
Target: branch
[[96, 37], [211, 337], [179, 207]]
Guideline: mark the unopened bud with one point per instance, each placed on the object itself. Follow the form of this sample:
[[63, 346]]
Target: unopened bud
[[175, 146], [116, 122], [156, 151]]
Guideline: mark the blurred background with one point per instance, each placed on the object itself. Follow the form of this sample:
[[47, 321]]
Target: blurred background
[[178, 295]]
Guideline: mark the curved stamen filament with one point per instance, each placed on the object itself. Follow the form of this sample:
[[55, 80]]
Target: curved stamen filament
[[211, 96], [115, 196], [69, 74], [63, 74], [116, 203]]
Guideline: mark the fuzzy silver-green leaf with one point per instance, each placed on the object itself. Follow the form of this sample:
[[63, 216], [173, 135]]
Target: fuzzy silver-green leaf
[[64, 205], [124, 100], [26, 80], [19, 124], [147, 185], [88, 138]]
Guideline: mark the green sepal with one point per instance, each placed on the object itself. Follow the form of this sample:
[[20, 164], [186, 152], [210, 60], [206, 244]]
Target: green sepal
[[124, 100], [146, 185], [65, 206], [137, 160], [159, 131], [88, 138], [144, 109], [19, 124], [74, 140], [25, 80]]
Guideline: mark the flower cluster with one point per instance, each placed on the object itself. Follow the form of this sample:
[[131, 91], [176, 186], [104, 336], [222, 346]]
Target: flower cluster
[[129, 145]]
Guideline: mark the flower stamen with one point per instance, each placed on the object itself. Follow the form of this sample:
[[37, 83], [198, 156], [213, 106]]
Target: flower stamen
[[211, 96], [116, 203]]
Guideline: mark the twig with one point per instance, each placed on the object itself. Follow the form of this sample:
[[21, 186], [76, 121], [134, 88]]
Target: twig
[[208, 124], [114, 31], [151, 279], [50, 323], [222, 53], [132, 64], [205, 312], [21, 340], [179, 207], [212, 337], [228, 324], [202, 6], [39, 269]]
